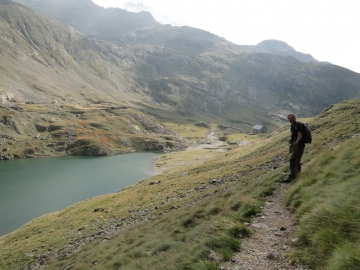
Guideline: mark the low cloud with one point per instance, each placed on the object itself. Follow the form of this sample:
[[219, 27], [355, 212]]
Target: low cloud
[[136, 7]]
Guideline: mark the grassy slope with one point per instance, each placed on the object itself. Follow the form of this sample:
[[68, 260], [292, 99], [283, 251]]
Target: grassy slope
[[325, 199], [189, 215]]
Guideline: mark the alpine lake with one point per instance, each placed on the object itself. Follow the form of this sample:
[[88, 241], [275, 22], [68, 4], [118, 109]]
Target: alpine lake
[[30, 188]]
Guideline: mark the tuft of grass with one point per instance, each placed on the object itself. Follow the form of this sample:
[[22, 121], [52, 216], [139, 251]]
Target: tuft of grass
[[162, 247], [189, 222], [204, 265], [225, 245], [239, 231], [250, 211], [345, 257], [214, 211], [236, 206]]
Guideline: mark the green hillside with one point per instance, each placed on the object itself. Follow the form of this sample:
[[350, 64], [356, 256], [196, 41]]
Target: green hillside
[[127, 83], [176, 219]]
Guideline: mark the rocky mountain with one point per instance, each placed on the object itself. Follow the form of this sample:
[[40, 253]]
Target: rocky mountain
[[278, 47], [89, 18], [44, 61], [62, 93], [194, 70], [79, 55]]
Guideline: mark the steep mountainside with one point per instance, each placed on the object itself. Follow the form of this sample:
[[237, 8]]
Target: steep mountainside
[[194, 70], [62, 93], [173, 73], [42, 61]]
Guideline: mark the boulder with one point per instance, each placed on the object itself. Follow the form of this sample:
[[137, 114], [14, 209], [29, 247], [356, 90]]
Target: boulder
[[54, 127], [40, 127]]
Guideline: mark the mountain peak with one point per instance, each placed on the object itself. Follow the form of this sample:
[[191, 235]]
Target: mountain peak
[[278, 47], [89, 18]]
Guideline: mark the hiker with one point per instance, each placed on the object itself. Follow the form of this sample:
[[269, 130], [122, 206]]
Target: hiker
[[297, 146]]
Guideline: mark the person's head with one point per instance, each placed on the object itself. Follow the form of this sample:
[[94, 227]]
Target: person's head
[[291, 118]]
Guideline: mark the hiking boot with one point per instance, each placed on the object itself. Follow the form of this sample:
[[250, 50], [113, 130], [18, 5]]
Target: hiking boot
[[289, 178]]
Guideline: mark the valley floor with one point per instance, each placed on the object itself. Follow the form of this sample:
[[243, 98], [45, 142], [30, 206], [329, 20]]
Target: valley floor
[[198, 150]]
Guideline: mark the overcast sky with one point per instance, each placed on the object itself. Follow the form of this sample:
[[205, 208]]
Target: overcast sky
[[328, 30]]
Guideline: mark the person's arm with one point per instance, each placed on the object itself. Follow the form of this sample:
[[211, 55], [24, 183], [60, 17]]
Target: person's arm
[[298, 140]]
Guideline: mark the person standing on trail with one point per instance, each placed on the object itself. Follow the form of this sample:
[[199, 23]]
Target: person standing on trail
[[297, 146]]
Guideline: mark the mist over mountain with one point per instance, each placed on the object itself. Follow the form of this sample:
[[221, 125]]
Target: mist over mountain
[[77, 53], [89, 18]]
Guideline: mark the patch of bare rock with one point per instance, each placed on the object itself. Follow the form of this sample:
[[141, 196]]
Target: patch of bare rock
[[273, 237]]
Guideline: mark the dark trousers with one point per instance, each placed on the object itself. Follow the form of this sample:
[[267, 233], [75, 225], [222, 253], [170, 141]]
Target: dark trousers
[[296, 155]]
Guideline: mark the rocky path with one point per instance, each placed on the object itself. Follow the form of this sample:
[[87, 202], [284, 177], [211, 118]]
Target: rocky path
[[273, 237], [212, 142]]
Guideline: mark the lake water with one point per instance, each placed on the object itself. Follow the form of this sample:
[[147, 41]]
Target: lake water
[[30, 188]]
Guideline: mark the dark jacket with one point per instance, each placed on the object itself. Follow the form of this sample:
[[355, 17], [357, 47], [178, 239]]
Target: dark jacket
[[298, 127]]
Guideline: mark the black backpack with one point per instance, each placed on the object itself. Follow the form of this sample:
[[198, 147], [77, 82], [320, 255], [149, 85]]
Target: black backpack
[[307, 137]]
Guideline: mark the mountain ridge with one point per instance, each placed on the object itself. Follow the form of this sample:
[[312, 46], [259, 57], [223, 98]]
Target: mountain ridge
[[171, 73], [163, 48], [282, 48]]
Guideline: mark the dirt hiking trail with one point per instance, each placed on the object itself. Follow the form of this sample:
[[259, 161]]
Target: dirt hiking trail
[[273, 237]]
